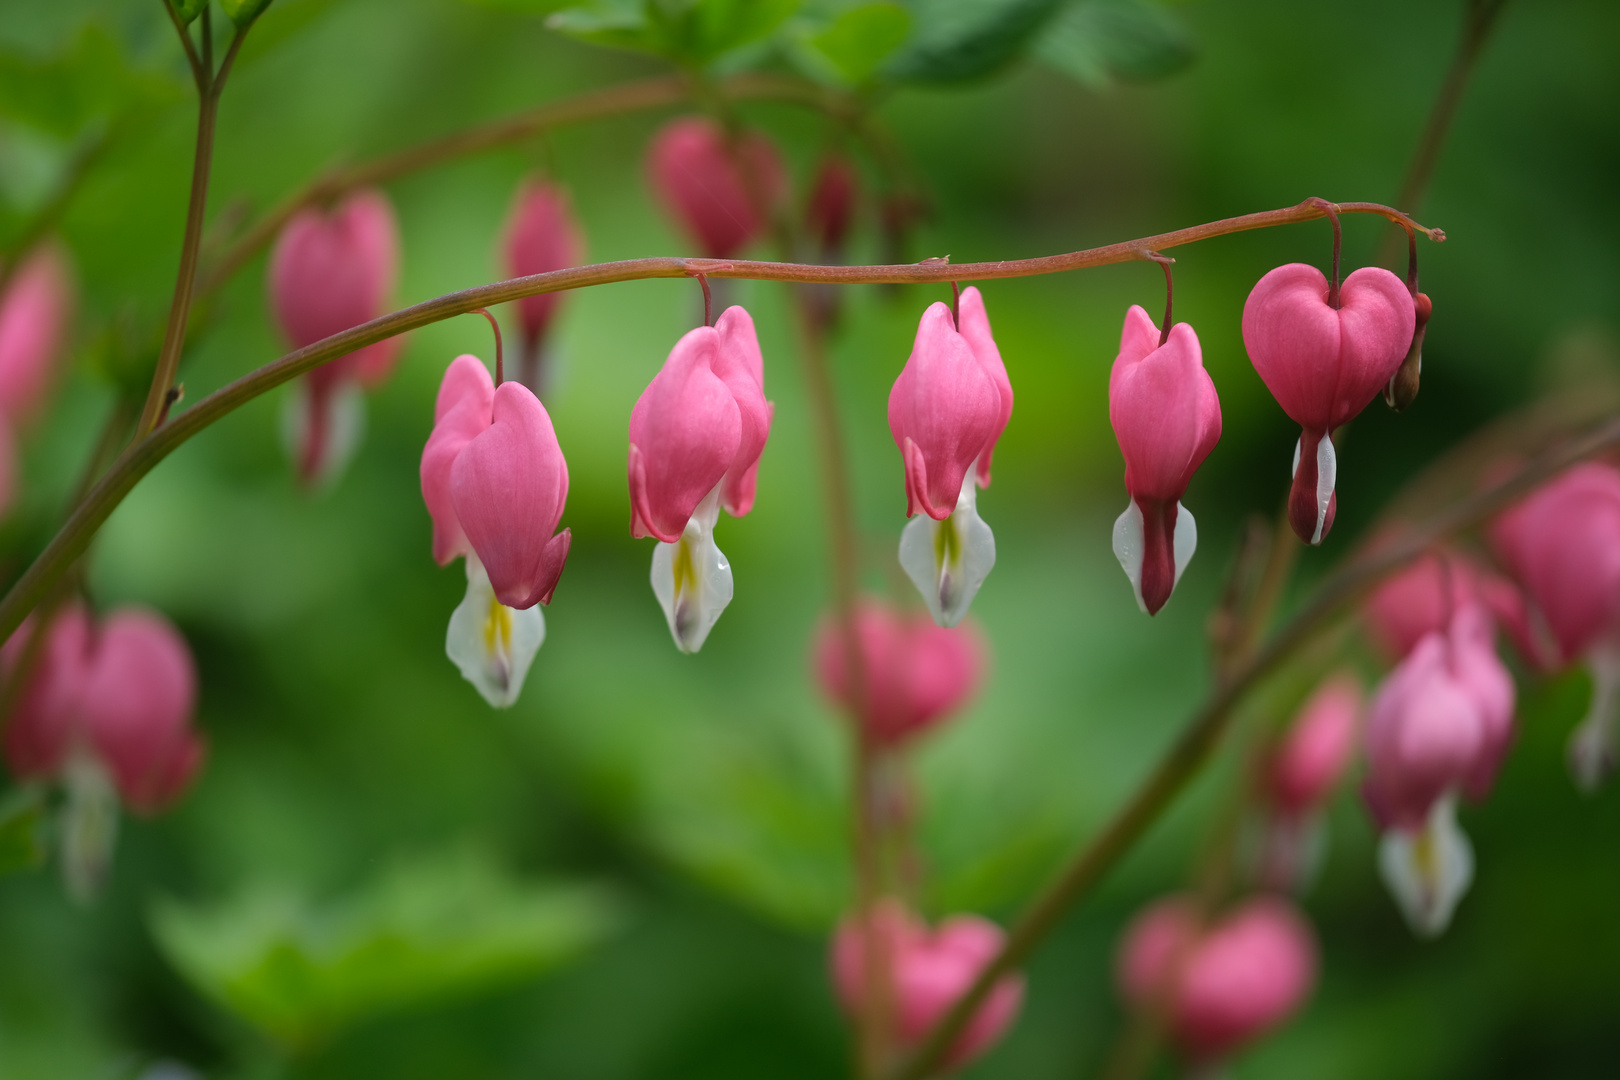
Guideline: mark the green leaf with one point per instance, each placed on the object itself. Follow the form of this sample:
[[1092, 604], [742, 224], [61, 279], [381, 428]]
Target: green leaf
[[427, 930], [289, 20], [188, 9], [243, 12], [861, 39], [526, 7], [22, 840], [719, 26], [1101, 42], [617, 24], [686, 31], [959, 40], [90, 81]]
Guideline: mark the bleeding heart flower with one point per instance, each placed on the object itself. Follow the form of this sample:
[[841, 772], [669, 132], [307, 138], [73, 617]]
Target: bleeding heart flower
[[1562, 544], [830, 212], [1218, 984], [495, 483], [1167, 418], [34, 316], [722, 190], [928, 971], [1308, 761], [1421, 598], [1324, 364], [696, 435], [915, 673], [330, 272], [541, 236], [947, 410]]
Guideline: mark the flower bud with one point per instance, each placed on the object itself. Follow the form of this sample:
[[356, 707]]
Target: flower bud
[[830, 212], [914, 673], [1403, 385], [1167, 418], [1312, 756], [541, 236], [1324, 365], [34, 317], [927, 972], [721, 190]]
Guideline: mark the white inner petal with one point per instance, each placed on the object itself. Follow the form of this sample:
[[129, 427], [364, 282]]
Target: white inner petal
[[346, 427], [89, 824], [493, 644], [1327, 472], [692, 578], [1186, 539], [1130, 546], [1594, 746], [1429, 870], [1295, 470], [949, 560]]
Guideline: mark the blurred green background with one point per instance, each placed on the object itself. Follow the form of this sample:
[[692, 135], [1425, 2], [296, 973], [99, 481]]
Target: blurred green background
[[632, 872]]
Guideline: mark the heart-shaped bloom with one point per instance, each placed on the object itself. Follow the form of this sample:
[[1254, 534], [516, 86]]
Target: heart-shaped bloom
[[927, 971], [1167, 418], [1421, 598], [1562, 544], [947, 410], [330, 272], [1324, 365], [696, 435], [495, 483], [1218, 984], [915, 673], [34, 317], [722, 190], [541, 236], [1313, 754]]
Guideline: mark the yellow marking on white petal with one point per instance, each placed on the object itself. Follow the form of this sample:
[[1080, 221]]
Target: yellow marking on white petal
[[686, 576], [498, 628]]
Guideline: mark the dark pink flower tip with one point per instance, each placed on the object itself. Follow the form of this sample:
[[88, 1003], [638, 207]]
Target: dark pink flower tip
[[136, 706], [739, 364], [461, 414], [333, 271], [541, 235], [508, 487], [916, 673], [1562, 544], [41, 726], [686, 432], [721, 190], [945, 411], [1309, 760], [834, 194], [1246, 975], [34, 316], [928, 970], [1163, 406]]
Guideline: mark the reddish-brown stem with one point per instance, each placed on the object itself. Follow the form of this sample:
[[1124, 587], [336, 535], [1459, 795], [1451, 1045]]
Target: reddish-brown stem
[[1164, 262], [1332, 213], [708, 300], [956, 305], [500, 358]]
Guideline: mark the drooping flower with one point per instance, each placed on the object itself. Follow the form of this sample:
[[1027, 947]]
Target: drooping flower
[[1298, 776], [34, 316], [947, 410], [914, 673], [1324, 364], [330, 272], [696, 435], [928, 971], [1167, 418], [541, 235], [106, 710], [1440, 725], [830, 211], [495, 483], [1562, 544], [1217, 984], [1421, 598], [721, 189]]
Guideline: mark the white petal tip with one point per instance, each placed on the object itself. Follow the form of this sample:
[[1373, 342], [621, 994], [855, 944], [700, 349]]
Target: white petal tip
[[1129, 547], [948, 561], [1429, 870], [491, 644], [692, 579]]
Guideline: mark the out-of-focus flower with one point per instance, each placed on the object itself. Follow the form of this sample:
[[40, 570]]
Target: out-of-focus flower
[[1298, 777], [928, 970], [541, 235], [722, 190], [830, 211], [34, 316], [1167, 418], [1324, 364], [696, 435], [330, 272], [914, 673], [495, 483], [1222, 983], [1422, 598], [947, 410]]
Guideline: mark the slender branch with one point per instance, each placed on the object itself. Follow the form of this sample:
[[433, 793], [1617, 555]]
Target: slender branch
[[153, 446], [199, 74], [1182, 761]]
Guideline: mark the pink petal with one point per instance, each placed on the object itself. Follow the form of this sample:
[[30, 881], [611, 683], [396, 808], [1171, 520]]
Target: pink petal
[[1163, 407], [541, 235], [1244, 977], [34, 316], [739, 364], [1317, 749], [975, 327], [42, 723], [461, 414], [721, 191]]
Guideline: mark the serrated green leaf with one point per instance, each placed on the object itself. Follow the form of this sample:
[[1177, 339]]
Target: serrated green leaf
[[243, 12], [428, 930], [188, 9], [960, 40], [22, 840], [1101, 42], [861, 39]]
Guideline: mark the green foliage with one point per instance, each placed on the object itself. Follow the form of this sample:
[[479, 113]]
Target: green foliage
[[89, 82], [692, 32], [1100, 42], [22, 820], [425, 931], [188, 10], [962, 40], [852, 45], [243, 12]]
